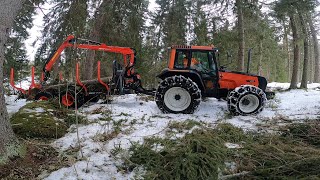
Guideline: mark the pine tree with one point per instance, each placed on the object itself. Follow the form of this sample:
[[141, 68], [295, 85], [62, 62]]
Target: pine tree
[[282, 9], [303, 9], [200, 24], [316, 50]]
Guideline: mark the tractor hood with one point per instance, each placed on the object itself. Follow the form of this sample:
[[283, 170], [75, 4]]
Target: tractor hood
[[233, 79]]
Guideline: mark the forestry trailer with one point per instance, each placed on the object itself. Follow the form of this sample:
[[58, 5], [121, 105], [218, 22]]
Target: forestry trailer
[[191, 75]]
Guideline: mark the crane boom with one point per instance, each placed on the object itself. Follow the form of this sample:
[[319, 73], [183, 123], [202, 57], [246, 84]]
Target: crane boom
[[72, 42]]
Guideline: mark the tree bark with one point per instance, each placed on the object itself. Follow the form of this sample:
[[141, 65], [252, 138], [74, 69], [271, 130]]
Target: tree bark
[[296, 53], [9, 145], [95, 35], [260, 58], [240, 28], [304, 81], [315, 43], [286, 46]]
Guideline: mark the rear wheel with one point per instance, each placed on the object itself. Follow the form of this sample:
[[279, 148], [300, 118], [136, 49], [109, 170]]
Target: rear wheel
[[177, 94], [67, 99], [245, 100]]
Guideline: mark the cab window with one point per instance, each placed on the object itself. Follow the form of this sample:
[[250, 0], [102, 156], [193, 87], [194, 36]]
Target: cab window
[[181, 59]]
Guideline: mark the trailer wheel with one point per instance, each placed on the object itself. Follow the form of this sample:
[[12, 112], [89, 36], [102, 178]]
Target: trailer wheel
[[67, 99], [178, 94], [245, 100], [43, 96]]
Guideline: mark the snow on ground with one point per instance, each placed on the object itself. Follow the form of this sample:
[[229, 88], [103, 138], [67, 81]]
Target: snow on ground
[[138, 117], [14, 104], [282, 86]]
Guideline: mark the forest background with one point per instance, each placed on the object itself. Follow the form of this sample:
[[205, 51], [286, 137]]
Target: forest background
[[282, 35]]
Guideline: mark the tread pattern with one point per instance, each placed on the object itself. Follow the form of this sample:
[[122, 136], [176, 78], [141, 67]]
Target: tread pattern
[[178, 81], [235, 95]]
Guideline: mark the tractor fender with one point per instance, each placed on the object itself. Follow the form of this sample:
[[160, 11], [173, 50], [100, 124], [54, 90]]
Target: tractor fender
[[193, 75]]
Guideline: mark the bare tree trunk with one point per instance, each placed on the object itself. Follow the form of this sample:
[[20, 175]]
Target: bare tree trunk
[[315, 43], [9, 145], [311, 62], [304, 81], [260, 58], [88, 67], [296, 53], [95, 35], [240, 28], [286, 46], [55, 70]]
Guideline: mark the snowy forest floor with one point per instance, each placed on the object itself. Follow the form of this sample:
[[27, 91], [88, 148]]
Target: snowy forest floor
[[113, 132]]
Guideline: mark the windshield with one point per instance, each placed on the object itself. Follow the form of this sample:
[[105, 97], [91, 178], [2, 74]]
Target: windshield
[[195, 59]]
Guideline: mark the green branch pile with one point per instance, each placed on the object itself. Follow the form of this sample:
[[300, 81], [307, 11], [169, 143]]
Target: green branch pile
[[202, 154]]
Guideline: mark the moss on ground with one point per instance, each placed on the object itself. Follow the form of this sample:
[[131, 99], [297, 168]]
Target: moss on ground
[[38, 160], [13, 150], [42, 119], [292, 153]]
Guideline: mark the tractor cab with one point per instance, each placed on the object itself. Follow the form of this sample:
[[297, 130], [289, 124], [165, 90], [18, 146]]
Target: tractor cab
[[197, 63]]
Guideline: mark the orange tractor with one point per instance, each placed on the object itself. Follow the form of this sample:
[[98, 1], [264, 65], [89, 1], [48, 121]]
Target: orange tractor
[[192, 74]]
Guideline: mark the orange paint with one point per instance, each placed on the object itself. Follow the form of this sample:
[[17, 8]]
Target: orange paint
[[78, 79], [99, 77], [12, 82], [230, 80]]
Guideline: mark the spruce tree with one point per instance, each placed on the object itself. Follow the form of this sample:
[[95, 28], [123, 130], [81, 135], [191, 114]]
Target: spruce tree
[[65, 18], [15, 54]]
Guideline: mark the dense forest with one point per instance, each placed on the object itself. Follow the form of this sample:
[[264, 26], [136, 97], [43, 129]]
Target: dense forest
[[282, 34], [244, 128]]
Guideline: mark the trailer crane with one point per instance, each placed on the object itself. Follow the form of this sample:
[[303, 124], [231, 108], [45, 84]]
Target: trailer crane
[[72, 42], [123, 80]]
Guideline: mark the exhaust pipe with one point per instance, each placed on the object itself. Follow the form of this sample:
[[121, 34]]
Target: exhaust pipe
[[249, 60]]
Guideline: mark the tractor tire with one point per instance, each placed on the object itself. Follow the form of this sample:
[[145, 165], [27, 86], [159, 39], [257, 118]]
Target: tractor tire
[[43, 96], [178, 94], [246, 100], [67, 99]]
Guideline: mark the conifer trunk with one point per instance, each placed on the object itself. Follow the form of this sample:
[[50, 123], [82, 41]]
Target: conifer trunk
[[296, 53], [8, 142], [240, 35], [95, 35], [316, 51], [260, 58], [304, 81], [286, 46]]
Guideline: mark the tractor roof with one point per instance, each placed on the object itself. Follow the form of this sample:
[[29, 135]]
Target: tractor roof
[[193, 47]]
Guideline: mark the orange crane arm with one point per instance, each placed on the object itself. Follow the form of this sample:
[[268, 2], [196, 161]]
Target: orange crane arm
[[71, 41]]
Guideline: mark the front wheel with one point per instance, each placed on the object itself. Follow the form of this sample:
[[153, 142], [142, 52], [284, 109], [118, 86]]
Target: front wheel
[[178, 94], [245, 100]]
